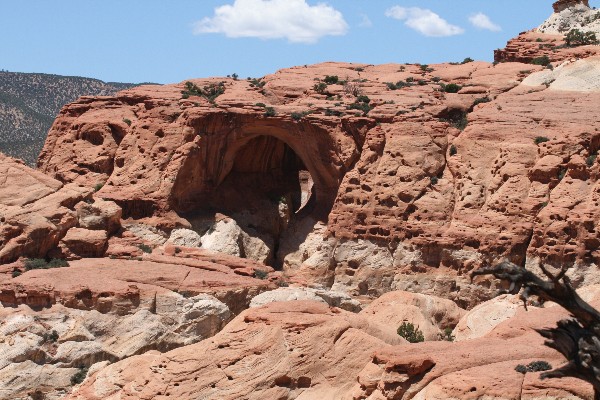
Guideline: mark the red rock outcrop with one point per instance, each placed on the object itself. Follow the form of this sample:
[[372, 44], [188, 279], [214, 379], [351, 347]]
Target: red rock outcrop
[[305, 350], [409, 178], [35, 210], [532, 44]]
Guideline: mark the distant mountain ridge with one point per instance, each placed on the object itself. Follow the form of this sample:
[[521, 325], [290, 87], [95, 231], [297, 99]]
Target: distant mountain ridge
[[29, 102]]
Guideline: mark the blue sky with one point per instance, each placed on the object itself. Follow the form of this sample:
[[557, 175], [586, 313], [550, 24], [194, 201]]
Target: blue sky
[[172, 40]]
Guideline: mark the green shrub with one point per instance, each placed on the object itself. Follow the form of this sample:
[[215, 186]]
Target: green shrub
[[127, 121], [467, 60], [361, 104], [260, 274], [16, 273], [297, 116], [79, 376], [98, 186], [541, 139], [447, 335], [209, 92], [461, 122], [398, 85], [235, 76], [561, 173], [50, 337], [40, 263], [270, 112], [145, 248], [259, 83], [410, 79], [591, 160], [543, 61], [331, 80], [410, 333], [576, 38], [320, 87], [451, 88], [453, 150], [333, 113], [263, 105], [481, 100], [534, 366], [434, 180]]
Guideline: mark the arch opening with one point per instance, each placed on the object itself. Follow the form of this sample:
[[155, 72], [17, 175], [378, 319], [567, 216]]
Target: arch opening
[[266, 168], [261, 189]]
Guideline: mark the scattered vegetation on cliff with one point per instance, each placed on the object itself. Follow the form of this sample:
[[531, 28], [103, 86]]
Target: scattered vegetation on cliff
[[79, 376], [40, 263], [544, 61], [209, 92], [450, 88], [541, 139], [362, 103], [260, 274], [453, 150], [145, 248], [411, 333], [534, 366], [575, 38]]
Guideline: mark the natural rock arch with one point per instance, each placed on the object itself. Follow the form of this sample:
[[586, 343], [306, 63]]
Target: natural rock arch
[[231, 142]]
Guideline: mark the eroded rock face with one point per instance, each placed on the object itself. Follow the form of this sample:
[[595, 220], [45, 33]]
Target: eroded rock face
[[306, 350], [36, 211], [408, 197], [54, 322], [284, 350]]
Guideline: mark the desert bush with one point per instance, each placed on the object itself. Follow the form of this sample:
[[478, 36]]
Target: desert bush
[[467, 60], [411, 333], [481, 100], [127, 121], [260, 274], [534, 366], [591, 160], [270, 112], [320, 87], [575, 38], [51, 337], [451, 88], [209, 92], [447, 335], [79, 376], [259, 83], [541, 139], [145, 248], [543, 61], [40, 263], [331, 80], [453, 150]]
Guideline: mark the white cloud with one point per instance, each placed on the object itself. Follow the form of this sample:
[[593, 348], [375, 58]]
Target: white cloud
[[365, 21], [482, 21], [294, 20], [424, 21]]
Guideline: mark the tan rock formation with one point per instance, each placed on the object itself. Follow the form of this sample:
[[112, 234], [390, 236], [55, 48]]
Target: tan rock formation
[[304, 350], [98, 311], [429, 314], [283, 350]]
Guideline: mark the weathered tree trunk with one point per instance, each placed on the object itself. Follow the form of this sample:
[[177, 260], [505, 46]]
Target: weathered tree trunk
[[577, 339]]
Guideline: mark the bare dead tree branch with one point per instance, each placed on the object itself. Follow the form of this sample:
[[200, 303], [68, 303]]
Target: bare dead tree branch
[[577, 339]]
